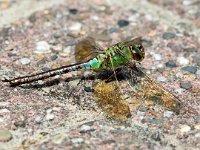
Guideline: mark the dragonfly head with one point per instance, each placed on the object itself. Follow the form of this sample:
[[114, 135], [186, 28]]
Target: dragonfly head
[[137, 52], [136, 48]]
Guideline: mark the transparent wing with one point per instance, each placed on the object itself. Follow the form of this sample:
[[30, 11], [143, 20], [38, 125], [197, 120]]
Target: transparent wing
[[149, 91], [86, 49]]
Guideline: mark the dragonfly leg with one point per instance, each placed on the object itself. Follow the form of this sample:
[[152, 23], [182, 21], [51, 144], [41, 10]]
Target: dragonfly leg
[[116, 73]]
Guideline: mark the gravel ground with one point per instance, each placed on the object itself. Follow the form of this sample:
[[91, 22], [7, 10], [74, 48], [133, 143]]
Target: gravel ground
[[42, 39]]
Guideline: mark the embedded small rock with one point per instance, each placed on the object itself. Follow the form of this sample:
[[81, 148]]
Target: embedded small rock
[[77, 140], [123, 23], [76, 27], [186, 85], [73, 11], [191, 69], [42, 47], [168, 35], [5, 135], [25, 61], [182, 60], [185, 128], [170, 64]]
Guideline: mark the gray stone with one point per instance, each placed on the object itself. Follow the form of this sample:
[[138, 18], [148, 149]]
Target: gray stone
[[170, 64], [123, 23], [186, 85], [169, 35], [191, 69]]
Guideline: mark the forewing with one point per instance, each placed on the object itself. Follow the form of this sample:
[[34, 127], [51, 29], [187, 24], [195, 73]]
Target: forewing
[[86, 49]]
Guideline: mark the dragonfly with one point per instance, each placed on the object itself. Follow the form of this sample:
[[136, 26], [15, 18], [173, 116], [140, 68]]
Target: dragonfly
[[123, 59]]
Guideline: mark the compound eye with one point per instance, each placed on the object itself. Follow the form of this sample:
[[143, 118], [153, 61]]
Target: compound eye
[[139, 53]]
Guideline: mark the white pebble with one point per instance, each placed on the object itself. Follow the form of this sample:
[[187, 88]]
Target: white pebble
[[168, 113], [38, 119], [85, 128], [95, 18], [179, 90], [77, 140], [185, 128], [161, 79], [42, 47], [187, 2], [182, 60], [76, 27], [25, 61], [50, 116], [4, 110], [48, 111], [157, 57]]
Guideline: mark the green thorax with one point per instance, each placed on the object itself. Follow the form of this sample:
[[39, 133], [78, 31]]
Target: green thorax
[[113, 57]]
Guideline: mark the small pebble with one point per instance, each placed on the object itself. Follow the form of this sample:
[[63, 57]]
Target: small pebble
[[5, 135], [161, 79], [50, 116], [88, 89], [57, 35], [38, 119], [157, 57], [197, 135], [186, 85], [179, 90], [76, 27], [77, 140], [25, 61], [95, 18], [4, 110], [49, 111], [85, 128], [153, 121], [191, 69], [73, 11], [54, 57], [168, 113], [168, 35], [170, 64], [185, 128], [123, 23], [42, 47], [187, 2], [182, 60]]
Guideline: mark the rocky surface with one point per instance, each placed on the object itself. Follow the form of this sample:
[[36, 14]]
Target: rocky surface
[[64, 115]]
